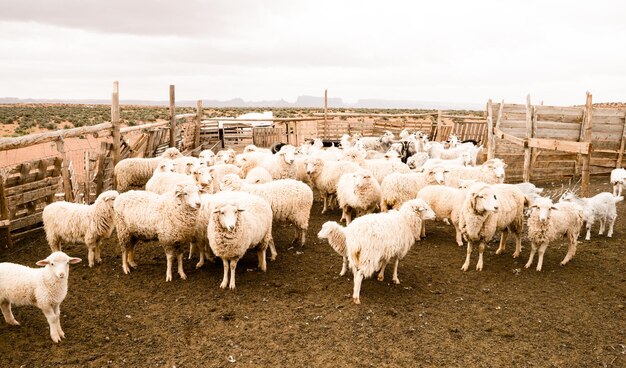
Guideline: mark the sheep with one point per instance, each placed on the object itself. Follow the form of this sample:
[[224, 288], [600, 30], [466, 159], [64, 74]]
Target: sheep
[[186, 164], [373, 240], [280, 165], [358, 193], [166, 182], [529, 189], [219, 170], [168, 218], [490, 172], [135, 172], [329, 154], [258, 175], [380, 144], [201, 242], [392, 155], [379, 167], [398, 188], [252, 148], [44, 288], [488, 209], [326, 174], [239, 221], [549, 221], [207, 157], [599, 207], [79, 223], [618, 176], [333, 232], [290, 200], [446, 202], [463, 160], [226, 156], [417, 160], [165, 166]]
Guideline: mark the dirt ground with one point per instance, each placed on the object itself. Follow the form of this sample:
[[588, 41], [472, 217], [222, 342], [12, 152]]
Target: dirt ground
[[300, 313]]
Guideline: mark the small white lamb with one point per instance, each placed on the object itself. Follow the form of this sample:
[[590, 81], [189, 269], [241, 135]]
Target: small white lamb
[[333, 232], [618, 178], [548, 222], [66, 222], [44, 288], [600, 207]]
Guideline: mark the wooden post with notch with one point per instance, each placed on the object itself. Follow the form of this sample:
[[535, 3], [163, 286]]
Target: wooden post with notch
[[115, 122], [199, 112], [490, 141], [438, 129], [527, 150], [326, 113], [586, 137], [65, 172], [172, 116], [620, 154], [5, 222]]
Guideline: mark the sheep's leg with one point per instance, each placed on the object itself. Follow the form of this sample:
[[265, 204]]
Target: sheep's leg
[[181, 271], [533, 249], [233, 266], [57, 310], [325, 198], [588, 236], [602, 225], [91, 247], [55, 245], [302, 236], [358, 279], [611, 223], [170, 261], [571, 251], [423, 229], [395, 278], [503, 237], [99, 251], [52, 318], [344, 267], [225, 278], [192, 249], [467, 257], [200, 256], [381, 273], [131, 257], [481, 250], [542, 251], [261, 256], [383, 206], [125, 267], [459, 235], [518, 245], [347, 211], [5, 306]]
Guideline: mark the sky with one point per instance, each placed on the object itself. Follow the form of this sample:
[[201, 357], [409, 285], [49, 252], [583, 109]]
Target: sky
[[447, 51]]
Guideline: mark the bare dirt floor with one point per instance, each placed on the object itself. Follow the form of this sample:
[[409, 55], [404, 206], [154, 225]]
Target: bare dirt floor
[[300, 313]]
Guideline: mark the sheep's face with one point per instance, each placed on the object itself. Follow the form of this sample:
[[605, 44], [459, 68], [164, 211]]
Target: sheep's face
[[288, 154], [453, 139], [483, 199], [466, 158], [207, 161], [230, 182], [363, 178], [568, 196], [108, 197], [542, 208], [314, 165], [58, 263], [412, 163], [396, 147], [203, 176], [188, 194], [420, 207], [206, 154], [189, 167], [437, 175], [228, 214], [326, 229], [387, 138], [250, 148], [466, 183], [171, 153], [318, 143], [354, 155], [497, 167], [392, 155], [165, 166], [227, 157]]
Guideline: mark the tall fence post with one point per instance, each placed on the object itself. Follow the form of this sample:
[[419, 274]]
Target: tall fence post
[[490, 141], [586, 137], [115, 123], [172, 116], [326, 113], [527, 150], [199, 113], [65, 171], [620, 154], [439, 125], [5, 223]]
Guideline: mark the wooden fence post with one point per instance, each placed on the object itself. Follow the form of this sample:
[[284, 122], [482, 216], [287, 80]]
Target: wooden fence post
[[438, 129], [586, 137], [65, 171], [5, 223], [490, 141], [199, 113], [172, 116], [326, 113], [620, 154], [527, 150], [115, 122]]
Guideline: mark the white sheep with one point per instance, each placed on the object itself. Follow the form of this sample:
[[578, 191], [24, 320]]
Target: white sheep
[[488, 209], [380, 168], [548, 222], [381, 143], [618, 178], [225, 156], [374, 240], [66, 222], [358, 194], [326, 174], [490, 172], [417, 160], [463, 160], [279, 165], [135, 172], [333, 232], [44, 288], [207, 157], [446, 202], [186, 164], [252, 148], [398, 188], [600, 207], [167, 182], [169, 218], [258, 175], [219, 170], [290, 200], [239, 221]]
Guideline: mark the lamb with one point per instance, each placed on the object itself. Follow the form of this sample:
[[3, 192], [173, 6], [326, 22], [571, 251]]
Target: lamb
[[44, 288], [207, 157], [446, 202], [186, 164], [548, 222], [168, 218], [252, 148], [280, 165], [333, 232], [599, 207], [381, 144], [368, 251], [258, 175], [290, 200], [488, 209], [167, 182], [135, 172], [358, 194], [226, 156], [618, 177], [326, 174], [239, 221], [79, 223], [398, 188], [417, 160], [490, 172]]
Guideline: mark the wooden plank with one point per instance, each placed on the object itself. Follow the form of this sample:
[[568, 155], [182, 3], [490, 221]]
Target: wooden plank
[[563, 146], [172, 115], [490, 138], [26, 221], [508, 137], [31, 186], [34, 195], [620, 154], [527, 135], [33, 139], [5, 228], [586, 137], [115, 122], [559, 110], [199, 112], [65, 172]]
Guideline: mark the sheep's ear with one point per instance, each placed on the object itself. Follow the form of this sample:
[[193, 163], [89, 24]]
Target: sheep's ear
[[506, 165], [554, 208], [420, 208], [74, 260], [240, 209], [42, 263], [179, 192], [216, 210]]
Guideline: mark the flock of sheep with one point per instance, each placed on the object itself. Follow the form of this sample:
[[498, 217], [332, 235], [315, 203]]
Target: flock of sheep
[[222, 205]]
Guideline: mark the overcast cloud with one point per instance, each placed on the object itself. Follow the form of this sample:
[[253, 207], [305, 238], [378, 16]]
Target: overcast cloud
[[450, 51]]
